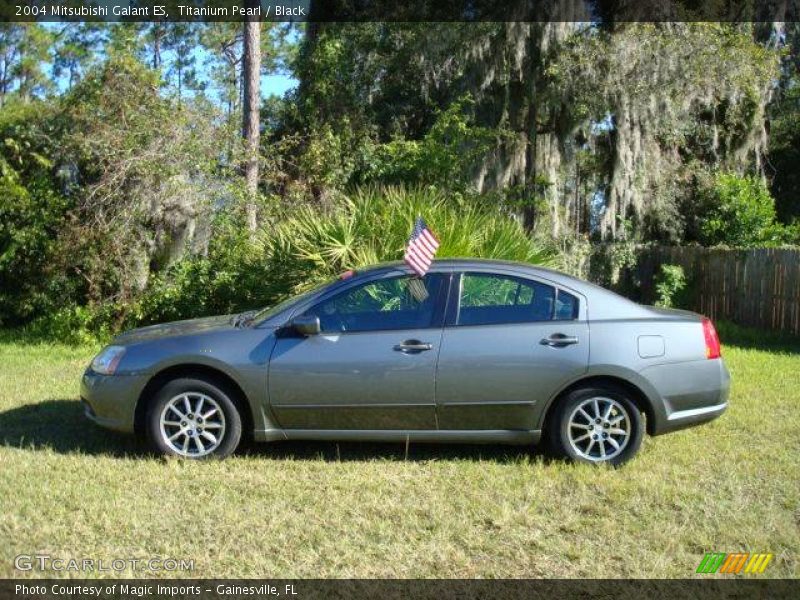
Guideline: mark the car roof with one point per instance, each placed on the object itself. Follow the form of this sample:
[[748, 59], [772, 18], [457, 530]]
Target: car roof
[[459, 264], [608, 304]]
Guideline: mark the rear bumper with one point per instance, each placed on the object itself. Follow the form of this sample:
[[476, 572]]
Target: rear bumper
[[110, 400], [691, 393], [689, 418]]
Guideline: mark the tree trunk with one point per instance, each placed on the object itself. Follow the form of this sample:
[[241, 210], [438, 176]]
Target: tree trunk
[[157, 35], [251, 79], [3, 84]]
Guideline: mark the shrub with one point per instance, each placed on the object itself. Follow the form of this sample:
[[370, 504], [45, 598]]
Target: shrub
[[609, 262], [236, 274], [32, 216], [670, 283], [302, 248], [574, 253], [73, 324], [372, 225], [741, 213]]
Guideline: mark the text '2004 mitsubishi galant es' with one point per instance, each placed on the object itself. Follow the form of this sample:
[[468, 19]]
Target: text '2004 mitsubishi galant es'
[[476, 351]]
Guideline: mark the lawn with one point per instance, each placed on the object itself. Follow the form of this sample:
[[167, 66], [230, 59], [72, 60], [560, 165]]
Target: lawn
[[69, 489]]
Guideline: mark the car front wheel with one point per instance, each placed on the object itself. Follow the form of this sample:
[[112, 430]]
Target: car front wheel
[[193, 418], [597, 424]]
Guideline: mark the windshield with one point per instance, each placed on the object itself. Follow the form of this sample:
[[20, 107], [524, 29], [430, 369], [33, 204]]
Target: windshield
[[271, 311]]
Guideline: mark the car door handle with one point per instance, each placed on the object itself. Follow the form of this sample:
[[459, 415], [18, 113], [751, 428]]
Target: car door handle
[[412, 346], [559, 340]]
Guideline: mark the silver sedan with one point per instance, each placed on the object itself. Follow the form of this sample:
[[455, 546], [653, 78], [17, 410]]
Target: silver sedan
[[476, 351]]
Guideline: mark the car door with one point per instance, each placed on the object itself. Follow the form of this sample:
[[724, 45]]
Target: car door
[[372, 366], [509, 343]]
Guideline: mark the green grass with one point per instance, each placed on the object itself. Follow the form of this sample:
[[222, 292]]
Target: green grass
[[363, 510]]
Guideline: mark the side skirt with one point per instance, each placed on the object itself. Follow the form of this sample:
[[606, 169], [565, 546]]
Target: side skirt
[[494, 436]]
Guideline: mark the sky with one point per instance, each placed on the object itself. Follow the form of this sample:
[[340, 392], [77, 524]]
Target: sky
[[276, 84]]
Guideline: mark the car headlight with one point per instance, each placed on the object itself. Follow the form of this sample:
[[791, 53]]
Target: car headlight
[[107, 361]]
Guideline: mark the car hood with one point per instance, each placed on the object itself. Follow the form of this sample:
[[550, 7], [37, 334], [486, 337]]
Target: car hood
[[175, 329]]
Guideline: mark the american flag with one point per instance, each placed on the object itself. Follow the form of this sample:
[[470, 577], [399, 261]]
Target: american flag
[[421, 248]]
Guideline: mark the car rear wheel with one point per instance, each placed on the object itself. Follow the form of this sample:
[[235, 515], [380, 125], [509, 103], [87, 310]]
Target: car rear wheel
[[597, 424], [193, 418]]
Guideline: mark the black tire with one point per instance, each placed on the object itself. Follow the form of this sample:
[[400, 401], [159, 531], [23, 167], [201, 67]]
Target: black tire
[[195, 389], [608, 395]]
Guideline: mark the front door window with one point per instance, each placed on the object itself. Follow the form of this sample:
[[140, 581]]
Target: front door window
[[392, 303]]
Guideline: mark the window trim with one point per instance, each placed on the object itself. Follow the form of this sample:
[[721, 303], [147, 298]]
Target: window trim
[[437, 319], [577, 310], [454, 299]]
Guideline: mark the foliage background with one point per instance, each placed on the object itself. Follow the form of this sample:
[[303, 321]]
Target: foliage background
[[122, 200]]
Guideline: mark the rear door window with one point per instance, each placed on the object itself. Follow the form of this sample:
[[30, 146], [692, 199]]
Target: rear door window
[[491, 299]]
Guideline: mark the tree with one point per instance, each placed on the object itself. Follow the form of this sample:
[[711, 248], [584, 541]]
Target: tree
[[35, 51], [182, 39], [251, 80], [75, 50], [144, 190], [224, 41], [125, 38], [9, 55], [155, 34], [600, 128], [784, 131], [24, 50]]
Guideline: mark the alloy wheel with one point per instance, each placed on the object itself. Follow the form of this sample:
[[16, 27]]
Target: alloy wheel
[[599, 429], [192, 424]]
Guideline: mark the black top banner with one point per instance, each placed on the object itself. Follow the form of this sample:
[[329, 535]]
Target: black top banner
[[401, 10]]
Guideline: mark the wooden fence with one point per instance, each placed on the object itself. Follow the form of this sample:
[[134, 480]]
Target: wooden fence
[[759, 288]]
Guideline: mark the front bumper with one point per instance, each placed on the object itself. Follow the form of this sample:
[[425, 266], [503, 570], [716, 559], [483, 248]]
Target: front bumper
[[110, 400]]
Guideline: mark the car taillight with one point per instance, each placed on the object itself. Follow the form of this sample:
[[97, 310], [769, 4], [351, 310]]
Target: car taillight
[[713, 349]]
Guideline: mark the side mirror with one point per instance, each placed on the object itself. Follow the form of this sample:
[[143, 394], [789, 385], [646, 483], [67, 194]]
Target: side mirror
[[306, 325]]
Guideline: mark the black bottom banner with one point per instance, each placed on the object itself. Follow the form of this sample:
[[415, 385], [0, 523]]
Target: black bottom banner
[[388, 589]]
